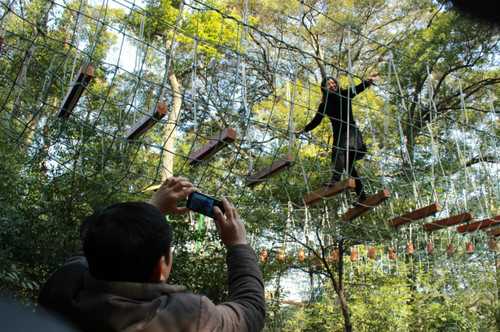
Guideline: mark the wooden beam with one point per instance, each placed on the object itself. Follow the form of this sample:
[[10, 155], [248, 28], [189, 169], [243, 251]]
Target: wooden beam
[[276, 167], [475, 226], [421, 213], [316, 196], [216, 143], [366, 205], [82, 80], [447, 222], [147, 121]]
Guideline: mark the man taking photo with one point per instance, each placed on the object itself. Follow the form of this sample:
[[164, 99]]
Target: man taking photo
[[120, 284]]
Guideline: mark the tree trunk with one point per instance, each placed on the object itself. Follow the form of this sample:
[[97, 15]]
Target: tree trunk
[[170, 130], [341, 290]]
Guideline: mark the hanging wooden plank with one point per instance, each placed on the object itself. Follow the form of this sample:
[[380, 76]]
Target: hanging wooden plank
[[421, 213], [82, 80], [215, 144], [475, 226], [339, 187], [276, 167], [447, 222], [148, 121], [366, 205]]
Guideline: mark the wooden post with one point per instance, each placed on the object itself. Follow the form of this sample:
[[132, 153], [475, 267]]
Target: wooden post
[[366, 205], [447, 222], [215, 144], [316, 196], [421, 213], [147, 121], [82, 80], [475, 226], [276, 167]]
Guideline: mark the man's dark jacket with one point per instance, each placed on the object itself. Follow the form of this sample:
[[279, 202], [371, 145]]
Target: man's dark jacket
[[96, 305]]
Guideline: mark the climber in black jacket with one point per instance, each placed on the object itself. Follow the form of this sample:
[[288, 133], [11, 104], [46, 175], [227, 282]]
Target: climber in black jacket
[[336, 103]]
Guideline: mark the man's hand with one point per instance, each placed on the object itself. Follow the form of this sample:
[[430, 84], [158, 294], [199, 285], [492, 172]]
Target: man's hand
[[170, 192], [373, 77], [231, 229]]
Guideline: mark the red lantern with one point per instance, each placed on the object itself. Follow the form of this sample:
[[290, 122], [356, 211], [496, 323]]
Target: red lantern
[[372, 252], [281, 255], [392, 254], [410, 248], [301, 255], [450, 250], [263, 255], [354, 254], [469, 248], [430, 247], [334, 256]]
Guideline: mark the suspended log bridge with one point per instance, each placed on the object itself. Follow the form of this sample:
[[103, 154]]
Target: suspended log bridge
[[366, 205], [475, 226], [82, 80], [215, 144], [421, 213], [147, 121], [276, 167], [447, 222], [329, 191]]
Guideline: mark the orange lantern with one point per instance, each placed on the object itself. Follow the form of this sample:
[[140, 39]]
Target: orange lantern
[[492, 244], [392, 254], [410, 248], [301, 255], [469, 248], [334, 256], [263, 255], [372, 252], [281, 255], [430, 247], [450, 250], [354, 254]]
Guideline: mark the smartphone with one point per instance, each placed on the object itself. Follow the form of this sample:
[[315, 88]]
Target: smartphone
[[203, 204]]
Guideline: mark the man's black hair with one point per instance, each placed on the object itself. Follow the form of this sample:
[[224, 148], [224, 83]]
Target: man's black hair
[[124, 242]]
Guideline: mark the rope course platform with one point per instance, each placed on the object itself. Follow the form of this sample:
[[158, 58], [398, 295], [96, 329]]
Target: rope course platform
[[421, 213], [82, 80], [275, 168], [339, 187], [215, 144], [147, 122], [366, 205], [475, 226], [447, 222]]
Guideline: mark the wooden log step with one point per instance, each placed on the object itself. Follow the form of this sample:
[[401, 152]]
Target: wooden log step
[[316, 196], [215, 144], [366, 205], [494, 232], [475, 226], [447, 222], [148, 121], [82, 80], [421, 213], [276, 167]]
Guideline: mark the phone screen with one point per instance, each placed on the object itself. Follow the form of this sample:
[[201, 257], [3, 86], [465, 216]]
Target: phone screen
[[203, 204]]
